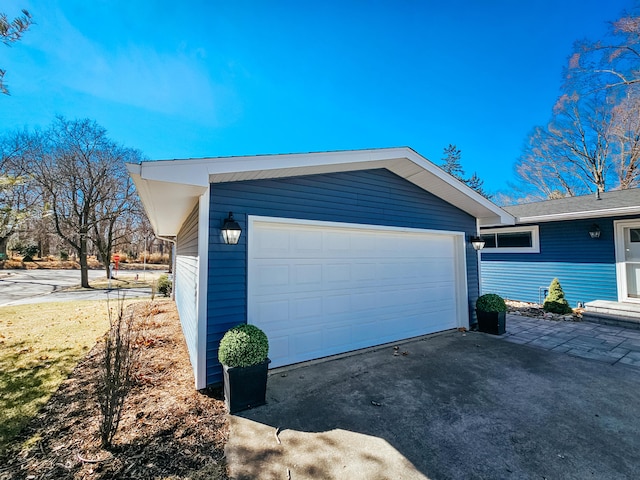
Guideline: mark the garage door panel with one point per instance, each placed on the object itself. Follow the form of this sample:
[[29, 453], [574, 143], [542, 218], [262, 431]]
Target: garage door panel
[[337, 243], [306, 307], [307, 243], [338, 272], [307, 343], [335, 338], [307, 274], [273, 312], [279, 352], [274, 242], [335, 289]]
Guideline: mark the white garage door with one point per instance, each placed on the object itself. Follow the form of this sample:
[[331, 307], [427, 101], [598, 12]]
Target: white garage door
[[319, 289]]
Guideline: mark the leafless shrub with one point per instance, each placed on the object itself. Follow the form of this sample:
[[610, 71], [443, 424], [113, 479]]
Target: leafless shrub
[[116, 369]]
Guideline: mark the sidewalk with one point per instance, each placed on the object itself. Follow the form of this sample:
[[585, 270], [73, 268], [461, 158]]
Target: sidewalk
[[603, 343]]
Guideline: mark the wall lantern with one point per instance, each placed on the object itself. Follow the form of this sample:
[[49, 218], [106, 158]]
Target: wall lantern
[[594, 231], [477, 242], [231, 230]]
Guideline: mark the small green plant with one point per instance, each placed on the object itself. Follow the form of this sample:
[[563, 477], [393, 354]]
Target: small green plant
[[64, 256], [555, 301], [243, 346], [164, 285], [491, 302], [28, 251]]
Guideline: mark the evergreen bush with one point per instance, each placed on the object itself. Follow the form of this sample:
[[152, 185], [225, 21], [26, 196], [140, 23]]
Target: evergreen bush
[[491, 302], [164, 285], [243, 346], [555, 301]]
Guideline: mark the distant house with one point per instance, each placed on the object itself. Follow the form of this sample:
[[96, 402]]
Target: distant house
[[337, 250], [590, 243]]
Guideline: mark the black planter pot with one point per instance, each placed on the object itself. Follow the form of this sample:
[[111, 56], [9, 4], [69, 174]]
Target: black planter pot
[[492, 322], [245, 387]]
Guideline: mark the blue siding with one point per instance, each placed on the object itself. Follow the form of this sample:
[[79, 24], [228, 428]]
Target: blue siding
[[186, 283], [581, 282], [376, 197], [586, 267], [567, 241]]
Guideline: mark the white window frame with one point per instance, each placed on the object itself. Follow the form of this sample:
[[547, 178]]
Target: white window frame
[[535, 240]]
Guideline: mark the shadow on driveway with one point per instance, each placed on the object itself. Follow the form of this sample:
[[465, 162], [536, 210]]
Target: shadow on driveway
[[458, 406]]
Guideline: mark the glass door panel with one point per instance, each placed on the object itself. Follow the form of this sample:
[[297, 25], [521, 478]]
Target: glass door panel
[[632, 260]]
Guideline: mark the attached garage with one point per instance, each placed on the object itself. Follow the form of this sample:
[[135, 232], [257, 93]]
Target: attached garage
[[338, 251], [321, 288]]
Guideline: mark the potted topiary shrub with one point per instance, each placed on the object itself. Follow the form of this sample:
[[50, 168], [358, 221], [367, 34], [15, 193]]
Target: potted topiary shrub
[[491, 312], [243, 354]]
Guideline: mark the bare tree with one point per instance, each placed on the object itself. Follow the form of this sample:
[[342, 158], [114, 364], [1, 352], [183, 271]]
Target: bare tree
[[625, 144], [581, 132], [11, 31], [111, 217], [573, 154], [611, 63], [81, 173], [540, 168], [18, 199], [594, 132]]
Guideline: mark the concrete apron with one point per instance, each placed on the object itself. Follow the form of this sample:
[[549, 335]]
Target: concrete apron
[[455, 406]]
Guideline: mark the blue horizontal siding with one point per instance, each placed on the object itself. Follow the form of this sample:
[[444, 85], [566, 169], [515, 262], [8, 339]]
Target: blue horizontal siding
[[186, 283], [567, 241], [581, 282], [374, 197]]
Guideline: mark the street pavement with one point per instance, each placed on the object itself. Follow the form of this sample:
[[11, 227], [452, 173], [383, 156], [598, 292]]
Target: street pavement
[[19, 287]]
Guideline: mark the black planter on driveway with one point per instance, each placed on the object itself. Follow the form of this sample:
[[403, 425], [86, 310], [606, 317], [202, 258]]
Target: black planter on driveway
[[245, 387], [492, 322]]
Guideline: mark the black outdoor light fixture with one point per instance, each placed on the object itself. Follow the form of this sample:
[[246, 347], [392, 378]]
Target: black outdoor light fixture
[[477, 242], [231, 230], [594, 231]]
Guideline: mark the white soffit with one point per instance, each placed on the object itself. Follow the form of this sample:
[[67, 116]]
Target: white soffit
[[167, 204], [194, 175]]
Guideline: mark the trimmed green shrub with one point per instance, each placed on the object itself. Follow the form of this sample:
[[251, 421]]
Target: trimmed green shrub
[[164, 285], [491, 302], [555, 302], [28, 251], [243, 346]]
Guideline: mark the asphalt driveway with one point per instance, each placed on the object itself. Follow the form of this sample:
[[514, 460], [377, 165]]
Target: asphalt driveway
[[455, 406]]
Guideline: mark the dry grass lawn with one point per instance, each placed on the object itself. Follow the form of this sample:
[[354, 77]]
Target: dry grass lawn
[[169, 431], [39, 346]]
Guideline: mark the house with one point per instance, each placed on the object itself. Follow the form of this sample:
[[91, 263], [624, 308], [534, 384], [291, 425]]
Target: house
[[590, 243], [337, 250]]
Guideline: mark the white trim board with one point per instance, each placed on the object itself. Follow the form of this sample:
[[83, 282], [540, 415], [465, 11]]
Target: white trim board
[[535, 239], [621, 274], [165, 204], [201, 293]]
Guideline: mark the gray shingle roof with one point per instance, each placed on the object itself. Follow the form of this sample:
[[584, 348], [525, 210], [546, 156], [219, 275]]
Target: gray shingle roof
[[618, 202]]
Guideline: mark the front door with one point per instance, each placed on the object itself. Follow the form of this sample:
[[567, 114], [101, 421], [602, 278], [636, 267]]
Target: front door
[[628, 260]]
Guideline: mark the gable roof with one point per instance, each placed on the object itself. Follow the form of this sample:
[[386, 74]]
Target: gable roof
[[607, 204], [170, 189]]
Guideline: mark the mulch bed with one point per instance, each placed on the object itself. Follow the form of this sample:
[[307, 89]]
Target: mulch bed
[[535, 310], [168, 429]]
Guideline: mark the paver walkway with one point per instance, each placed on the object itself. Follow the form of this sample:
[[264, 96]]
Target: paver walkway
[[603, 343]]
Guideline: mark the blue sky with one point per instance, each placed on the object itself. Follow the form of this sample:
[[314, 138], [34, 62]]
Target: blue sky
[[211, 78]]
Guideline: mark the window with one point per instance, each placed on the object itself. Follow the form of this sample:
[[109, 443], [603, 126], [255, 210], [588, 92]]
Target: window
[[511, 240], [634, 233]]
